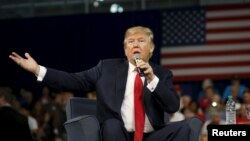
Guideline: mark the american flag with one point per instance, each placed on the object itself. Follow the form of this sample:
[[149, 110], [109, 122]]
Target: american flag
[[206, 42]]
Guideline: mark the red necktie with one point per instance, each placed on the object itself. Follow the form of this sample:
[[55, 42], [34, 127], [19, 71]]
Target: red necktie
[[139, 109]]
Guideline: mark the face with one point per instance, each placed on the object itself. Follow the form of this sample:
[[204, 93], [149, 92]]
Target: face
[[247, 97], [215, 119], [235, 82], [209, 92], [138, 43]]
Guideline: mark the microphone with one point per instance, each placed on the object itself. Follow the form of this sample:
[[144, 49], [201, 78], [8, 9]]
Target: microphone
[[136, 58]]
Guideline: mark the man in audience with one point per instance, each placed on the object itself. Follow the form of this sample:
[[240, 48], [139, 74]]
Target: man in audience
[[13, 125], [234, 86]]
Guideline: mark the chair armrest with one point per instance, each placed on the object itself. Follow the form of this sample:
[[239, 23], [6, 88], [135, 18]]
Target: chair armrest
[[195, 125]]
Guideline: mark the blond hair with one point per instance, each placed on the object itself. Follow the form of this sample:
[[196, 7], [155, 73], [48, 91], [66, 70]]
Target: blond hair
[[139, 29]]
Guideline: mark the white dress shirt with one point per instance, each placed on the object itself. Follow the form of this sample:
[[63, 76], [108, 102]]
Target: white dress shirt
[[127, 108]]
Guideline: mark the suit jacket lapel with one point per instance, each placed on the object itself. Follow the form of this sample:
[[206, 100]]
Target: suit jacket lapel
[[146, 91], [121, 80]]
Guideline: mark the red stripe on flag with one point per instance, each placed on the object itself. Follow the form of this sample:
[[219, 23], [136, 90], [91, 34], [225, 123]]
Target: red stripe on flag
[[229, 7], [232, 18], [208, 53], [226, 30]]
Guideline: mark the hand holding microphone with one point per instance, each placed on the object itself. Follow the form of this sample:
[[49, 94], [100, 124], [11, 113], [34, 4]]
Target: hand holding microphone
[[143, 68]]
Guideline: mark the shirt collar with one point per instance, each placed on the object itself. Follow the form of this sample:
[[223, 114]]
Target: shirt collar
[[131, 68]]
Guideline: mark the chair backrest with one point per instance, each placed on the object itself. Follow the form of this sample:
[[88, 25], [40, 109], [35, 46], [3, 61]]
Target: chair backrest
[[78, 106], [82, 124]]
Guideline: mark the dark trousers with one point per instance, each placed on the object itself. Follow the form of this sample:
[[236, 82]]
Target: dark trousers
[[113, 130]]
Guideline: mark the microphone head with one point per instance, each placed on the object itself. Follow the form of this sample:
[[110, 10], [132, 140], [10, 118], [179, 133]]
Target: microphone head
[[136, 57]]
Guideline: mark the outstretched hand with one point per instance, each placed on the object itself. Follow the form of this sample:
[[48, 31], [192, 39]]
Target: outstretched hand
[[27, 63]]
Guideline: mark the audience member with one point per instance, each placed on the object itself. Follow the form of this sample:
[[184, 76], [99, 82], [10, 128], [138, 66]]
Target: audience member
[[241, 112], [186, 99], [215, 119], [205, 84], [13, 125], [207, 99], [235, 86], [33, 125]]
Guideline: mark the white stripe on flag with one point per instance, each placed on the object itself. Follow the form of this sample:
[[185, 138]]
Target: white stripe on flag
[[231, 35], [205, 71], [202, 48], [227, 24]]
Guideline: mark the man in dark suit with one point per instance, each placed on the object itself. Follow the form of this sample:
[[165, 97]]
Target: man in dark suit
[[113, 80], [13, 125]]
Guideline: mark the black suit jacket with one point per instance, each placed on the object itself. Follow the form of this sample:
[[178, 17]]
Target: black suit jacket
[[108, 79], [13, 125]]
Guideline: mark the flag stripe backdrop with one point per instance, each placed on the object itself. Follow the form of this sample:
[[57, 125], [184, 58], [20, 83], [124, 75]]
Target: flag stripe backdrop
[[206, 42]]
